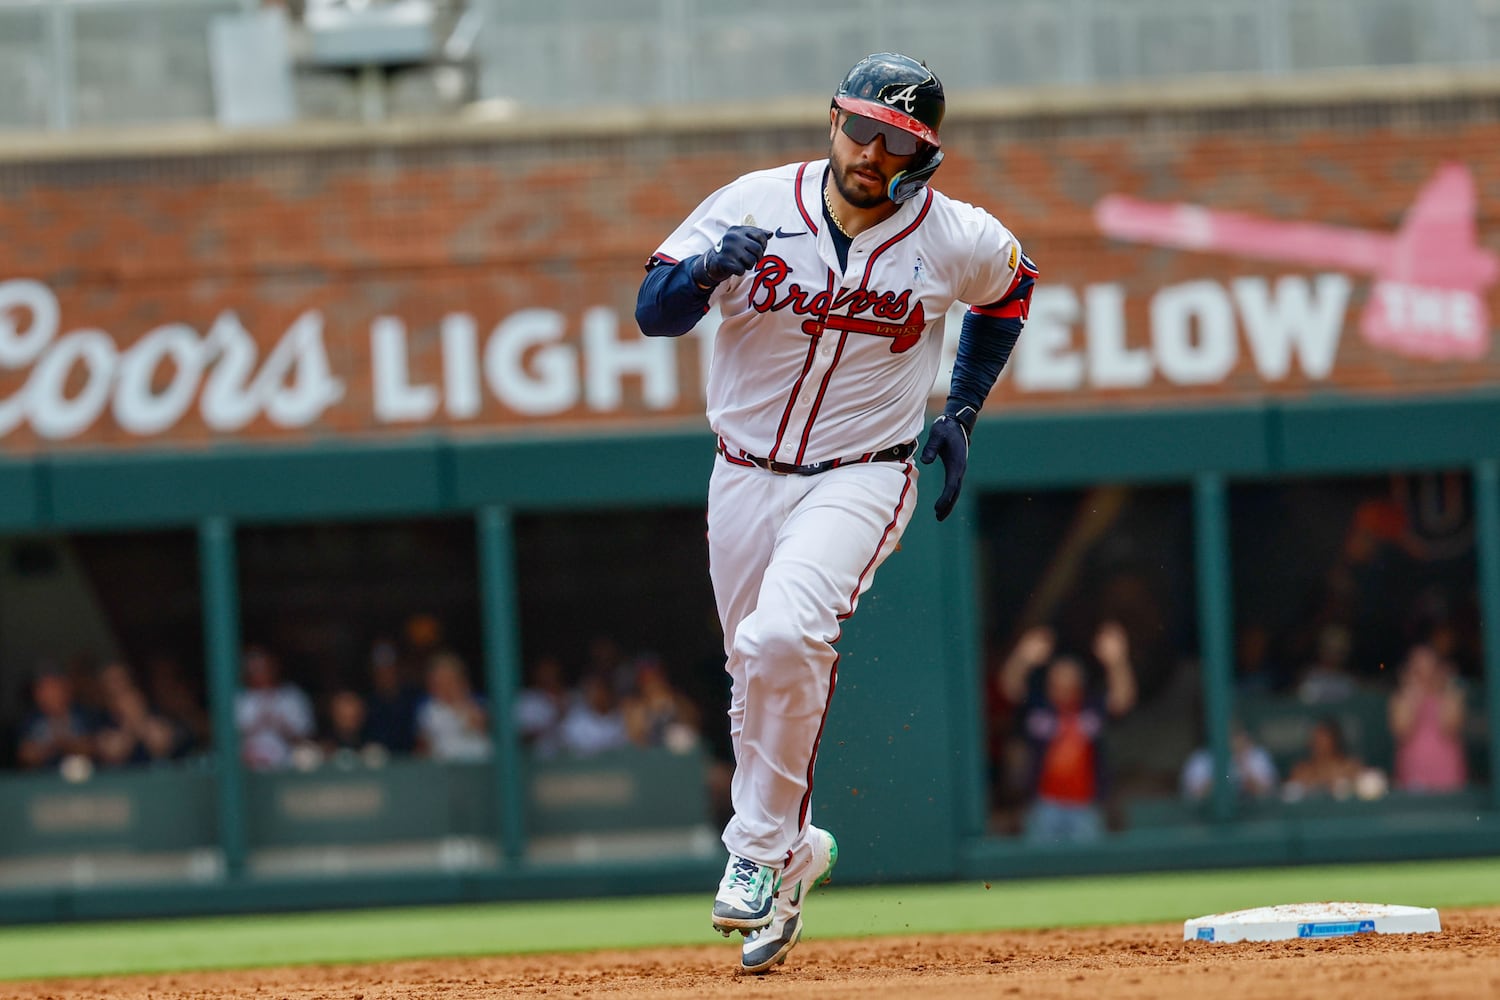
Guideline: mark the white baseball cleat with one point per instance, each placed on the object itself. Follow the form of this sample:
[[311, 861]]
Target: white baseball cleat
[[811, 866], [746, 897]]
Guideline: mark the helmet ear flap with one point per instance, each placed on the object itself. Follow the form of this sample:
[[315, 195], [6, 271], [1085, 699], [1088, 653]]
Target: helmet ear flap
[[905, 185]]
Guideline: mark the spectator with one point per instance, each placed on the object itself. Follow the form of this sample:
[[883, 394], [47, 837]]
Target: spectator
[[424, 639], [1427, 719], [57, 728], [1251, 769], [82, 672], [540, 707], [1255, 672], [1328, 768], [594, 722], [348, 724], [273, 718], [659, 716], [177, 701], [452, 724], [132, 733], [605, 659], [1327, 679], [391, 712], [1062, 722]]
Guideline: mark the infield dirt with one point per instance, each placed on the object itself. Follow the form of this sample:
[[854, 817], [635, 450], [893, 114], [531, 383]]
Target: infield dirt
[[1130, 963]]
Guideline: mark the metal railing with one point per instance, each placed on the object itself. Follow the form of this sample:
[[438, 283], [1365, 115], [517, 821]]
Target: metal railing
[[71, 63]]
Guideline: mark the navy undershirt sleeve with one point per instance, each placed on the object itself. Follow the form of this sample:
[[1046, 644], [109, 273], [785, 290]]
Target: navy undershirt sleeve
[[984, 346], [670, 302]]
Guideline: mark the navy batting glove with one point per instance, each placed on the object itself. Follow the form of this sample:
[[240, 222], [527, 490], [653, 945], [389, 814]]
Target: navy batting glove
[[736, 252], [948, 439]]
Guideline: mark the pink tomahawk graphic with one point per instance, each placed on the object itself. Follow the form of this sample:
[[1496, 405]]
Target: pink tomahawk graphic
[[1430, 276]]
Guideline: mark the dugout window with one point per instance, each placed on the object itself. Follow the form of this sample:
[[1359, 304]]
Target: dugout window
[[1357, 616], [624, 699], [362, 707], [363, 608], [72, 606], [105, 730], [1086, 577]]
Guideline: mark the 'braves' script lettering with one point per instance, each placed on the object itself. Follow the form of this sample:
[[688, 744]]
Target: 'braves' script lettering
[[844, 309]]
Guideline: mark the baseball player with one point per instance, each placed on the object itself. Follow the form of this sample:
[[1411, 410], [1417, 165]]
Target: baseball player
[[832, 279]]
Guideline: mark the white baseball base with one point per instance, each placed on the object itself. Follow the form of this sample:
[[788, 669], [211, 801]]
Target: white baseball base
[[1311, 921]]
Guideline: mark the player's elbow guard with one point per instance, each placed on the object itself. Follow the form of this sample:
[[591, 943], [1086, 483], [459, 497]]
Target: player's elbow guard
[[654, 324], [647, 317], [665, 306]]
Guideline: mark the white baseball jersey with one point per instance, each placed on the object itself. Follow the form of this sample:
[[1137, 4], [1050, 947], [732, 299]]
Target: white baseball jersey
[[813, 362]]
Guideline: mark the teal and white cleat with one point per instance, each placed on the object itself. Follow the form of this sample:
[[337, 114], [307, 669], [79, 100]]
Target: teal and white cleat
[[747, 896], [811, 866]]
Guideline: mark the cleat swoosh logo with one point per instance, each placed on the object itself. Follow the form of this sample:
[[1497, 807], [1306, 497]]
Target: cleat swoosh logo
[[786, 236]]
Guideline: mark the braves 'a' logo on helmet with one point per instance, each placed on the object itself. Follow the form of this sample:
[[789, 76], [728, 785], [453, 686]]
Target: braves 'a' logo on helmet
[[904, 95]]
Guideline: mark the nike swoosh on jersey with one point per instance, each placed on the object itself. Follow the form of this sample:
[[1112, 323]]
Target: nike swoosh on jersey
[[786, 236]]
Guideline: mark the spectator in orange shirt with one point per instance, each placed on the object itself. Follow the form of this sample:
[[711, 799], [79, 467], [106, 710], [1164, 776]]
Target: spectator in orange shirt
[[1062, 722]]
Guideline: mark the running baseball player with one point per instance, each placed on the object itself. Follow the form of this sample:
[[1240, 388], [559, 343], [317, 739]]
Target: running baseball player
[[832, 279]]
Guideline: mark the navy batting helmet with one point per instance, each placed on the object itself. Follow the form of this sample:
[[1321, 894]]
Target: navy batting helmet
[[900, 91]]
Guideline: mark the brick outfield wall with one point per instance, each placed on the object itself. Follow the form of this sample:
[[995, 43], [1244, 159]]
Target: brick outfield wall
[[212, 296]]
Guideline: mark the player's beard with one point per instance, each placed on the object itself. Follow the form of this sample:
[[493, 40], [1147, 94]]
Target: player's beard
[[852, 193]]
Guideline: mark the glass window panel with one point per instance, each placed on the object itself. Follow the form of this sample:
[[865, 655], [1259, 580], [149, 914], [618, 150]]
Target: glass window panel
[[1358, 646], [105, 727], [624, 689], [363, 713], [1061, 569]]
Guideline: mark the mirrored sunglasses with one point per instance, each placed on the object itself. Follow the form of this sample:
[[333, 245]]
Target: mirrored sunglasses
[[898, 142]]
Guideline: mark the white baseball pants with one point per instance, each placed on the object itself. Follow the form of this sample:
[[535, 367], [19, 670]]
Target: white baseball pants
[[789, 557]]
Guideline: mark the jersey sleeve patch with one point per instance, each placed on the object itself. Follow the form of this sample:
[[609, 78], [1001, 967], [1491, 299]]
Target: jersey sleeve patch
[[1016, 302]]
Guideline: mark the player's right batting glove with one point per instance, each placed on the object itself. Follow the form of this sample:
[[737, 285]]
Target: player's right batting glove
[[948, 439], [735, 253]]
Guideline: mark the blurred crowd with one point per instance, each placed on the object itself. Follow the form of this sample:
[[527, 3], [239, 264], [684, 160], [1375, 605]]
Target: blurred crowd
[[1059, 706], [1365, 688], [416, 697], [1425, 716], [1357, 683], [111, 716]]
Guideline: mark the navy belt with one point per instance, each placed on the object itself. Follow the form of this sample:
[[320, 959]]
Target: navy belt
[[895, 453]]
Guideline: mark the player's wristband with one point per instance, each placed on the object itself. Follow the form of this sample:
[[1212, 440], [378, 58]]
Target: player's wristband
[[699, 273], [962, 414]]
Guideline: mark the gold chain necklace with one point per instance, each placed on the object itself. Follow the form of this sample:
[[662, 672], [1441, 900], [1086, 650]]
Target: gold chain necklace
[[828, 204]]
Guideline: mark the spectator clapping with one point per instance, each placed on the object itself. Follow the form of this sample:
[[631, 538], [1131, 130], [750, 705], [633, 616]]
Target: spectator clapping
[[132, 732], [452, 724], [1426, 718]]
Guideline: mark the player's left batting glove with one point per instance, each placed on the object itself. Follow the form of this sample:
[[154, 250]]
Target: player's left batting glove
[[948, 439], [736, 252]]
